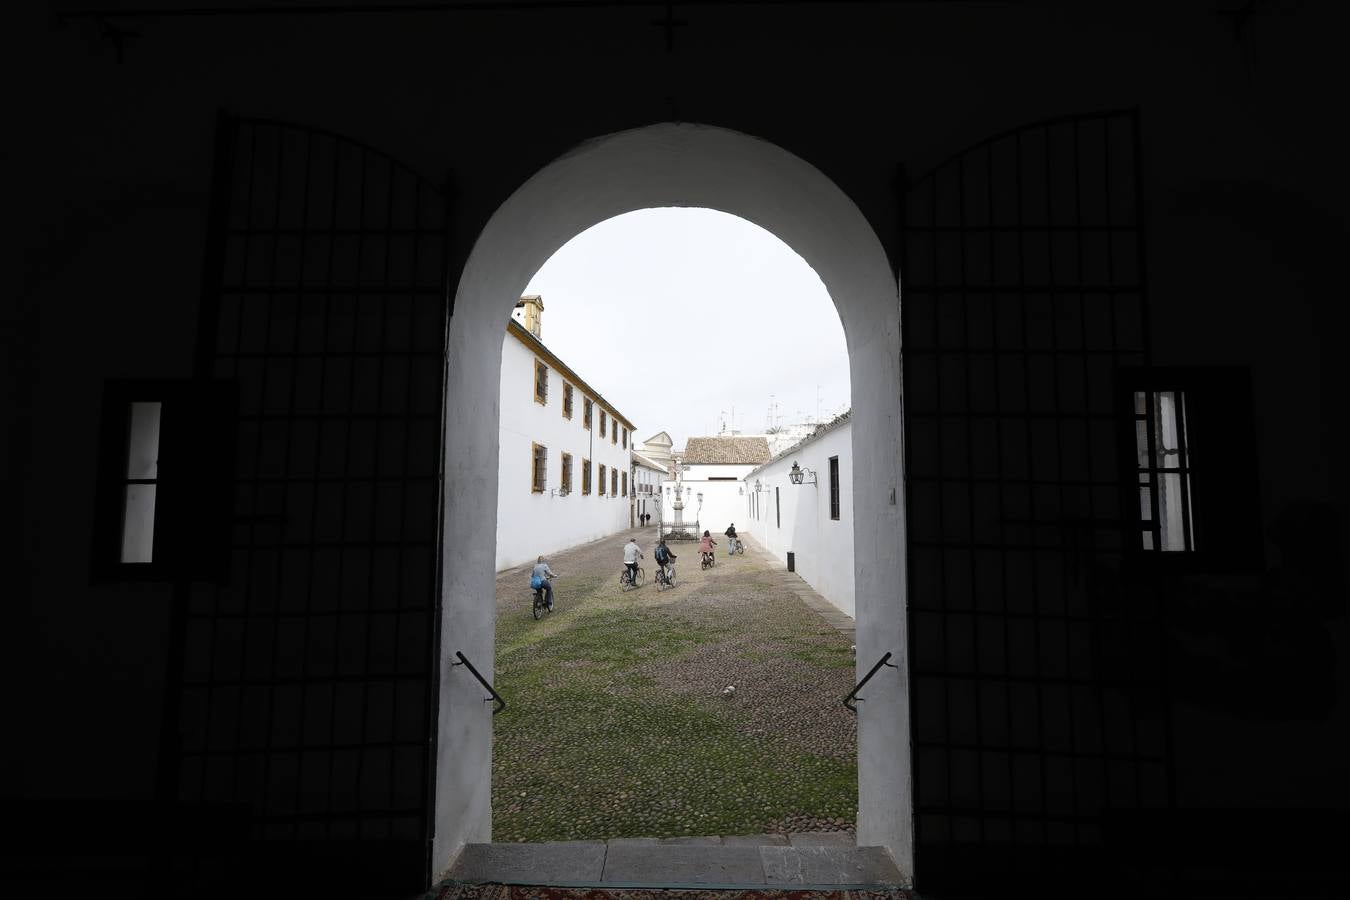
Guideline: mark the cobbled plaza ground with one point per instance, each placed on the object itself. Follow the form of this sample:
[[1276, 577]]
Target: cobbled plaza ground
[[617, 725]]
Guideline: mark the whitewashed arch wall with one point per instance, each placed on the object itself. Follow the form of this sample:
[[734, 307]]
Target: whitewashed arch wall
[[658, 166]]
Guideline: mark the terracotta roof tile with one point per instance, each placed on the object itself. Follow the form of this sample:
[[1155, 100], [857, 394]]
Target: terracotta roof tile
[[739, 451]]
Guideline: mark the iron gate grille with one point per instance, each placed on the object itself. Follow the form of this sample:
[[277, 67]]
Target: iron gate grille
[[306, 683], [1038, 692]]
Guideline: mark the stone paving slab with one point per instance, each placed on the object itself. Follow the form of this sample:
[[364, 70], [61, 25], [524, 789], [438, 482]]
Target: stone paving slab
[[822, 839], [816, 859], [671, 864], [559, 861], [828, 865], [755, 840]]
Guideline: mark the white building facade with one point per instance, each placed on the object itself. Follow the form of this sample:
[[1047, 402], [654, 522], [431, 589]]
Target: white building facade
[[646, 496], [712, 469], [564, 451], [812, 521]]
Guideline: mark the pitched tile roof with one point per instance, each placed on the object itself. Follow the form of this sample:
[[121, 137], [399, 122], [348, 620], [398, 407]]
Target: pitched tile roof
[[740, 451]]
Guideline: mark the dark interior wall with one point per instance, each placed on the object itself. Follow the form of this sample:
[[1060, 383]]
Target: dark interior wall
[[1245, 195]]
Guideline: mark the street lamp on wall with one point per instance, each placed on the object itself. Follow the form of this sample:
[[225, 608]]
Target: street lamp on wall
[[798, 473]]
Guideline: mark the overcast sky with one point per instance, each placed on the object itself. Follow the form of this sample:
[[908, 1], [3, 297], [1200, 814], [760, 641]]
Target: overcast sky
[[678, 315]]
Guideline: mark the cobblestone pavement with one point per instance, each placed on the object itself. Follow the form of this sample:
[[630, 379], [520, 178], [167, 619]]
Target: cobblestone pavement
[[620, 724]]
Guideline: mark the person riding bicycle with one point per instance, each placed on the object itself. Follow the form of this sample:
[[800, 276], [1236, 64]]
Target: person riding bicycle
[[732, 540], [631, 554], [664, 558], [706, 545], [539, 580]]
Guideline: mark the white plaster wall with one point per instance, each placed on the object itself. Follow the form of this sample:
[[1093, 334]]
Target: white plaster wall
[[694, 166], [822, 547], [721, 503], [530, 524], [650, 478]]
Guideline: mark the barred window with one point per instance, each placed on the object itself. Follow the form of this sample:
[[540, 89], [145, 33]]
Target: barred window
[[586, 408], [567, 401], [602, 479], [585, 476], [1164, 474], [538, 467], [1176, 420], [565, 480], [540, 382]]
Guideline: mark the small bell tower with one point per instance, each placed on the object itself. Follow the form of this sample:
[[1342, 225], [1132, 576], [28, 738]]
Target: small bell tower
[[529, 312]]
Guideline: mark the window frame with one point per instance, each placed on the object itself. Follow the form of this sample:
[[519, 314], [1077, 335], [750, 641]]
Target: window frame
[[603, 419], [834, 488], [540, 382], [625, 484], [194, 511], [614, 481], [565, 474], [585, 477], [567, 400], [587, 411], [601, 473], [538, 468], [1221, 486]]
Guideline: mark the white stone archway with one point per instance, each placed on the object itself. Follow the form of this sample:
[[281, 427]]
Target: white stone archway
[[692, 166]]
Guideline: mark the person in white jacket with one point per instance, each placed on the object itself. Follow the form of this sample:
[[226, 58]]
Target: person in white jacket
[[631, 554]]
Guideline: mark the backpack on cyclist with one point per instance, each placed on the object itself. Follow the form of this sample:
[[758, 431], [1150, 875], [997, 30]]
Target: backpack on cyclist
[[662, 555], [536, 582]]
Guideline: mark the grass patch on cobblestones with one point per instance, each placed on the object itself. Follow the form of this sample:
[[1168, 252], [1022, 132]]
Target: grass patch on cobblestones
[[591, 747]]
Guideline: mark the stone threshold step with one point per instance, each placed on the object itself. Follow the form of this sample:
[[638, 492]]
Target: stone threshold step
[[800, 860]]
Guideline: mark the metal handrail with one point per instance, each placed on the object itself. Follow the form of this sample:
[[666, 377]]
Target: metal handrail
[[866, 678], [496, 697]]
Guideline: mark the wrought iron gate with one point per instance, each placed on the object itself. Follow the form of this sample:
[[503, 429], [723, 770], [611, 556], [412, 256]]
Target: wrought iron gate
[[1038, 690], [305, 695]]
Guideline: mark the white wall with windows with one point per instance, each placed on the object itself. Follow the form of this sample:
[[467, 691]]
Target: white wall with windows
[[813, 522], [535, 513], [646, 489]]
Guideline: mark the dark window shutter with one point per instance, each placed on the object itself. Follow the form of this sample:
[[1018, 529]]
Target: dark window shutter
[[1227, 492], [196, 475]]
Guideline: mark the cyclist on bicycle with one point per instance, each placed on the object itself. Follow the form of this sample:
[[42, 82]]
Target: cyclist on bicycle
[[631, 554], [732, 540], [664, 558], [539, 580], [706, 545]]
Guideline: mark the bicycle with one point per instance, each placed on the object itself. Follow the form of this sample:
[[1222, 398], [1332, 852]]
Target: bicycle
[[708, 561], [626, 582], [541, 606], [736, 546], [665, 577]]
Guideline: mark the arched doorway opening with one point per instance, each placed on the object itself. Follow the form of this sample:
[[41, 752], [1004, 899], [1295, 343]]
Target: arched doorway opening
[[674, 165]]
